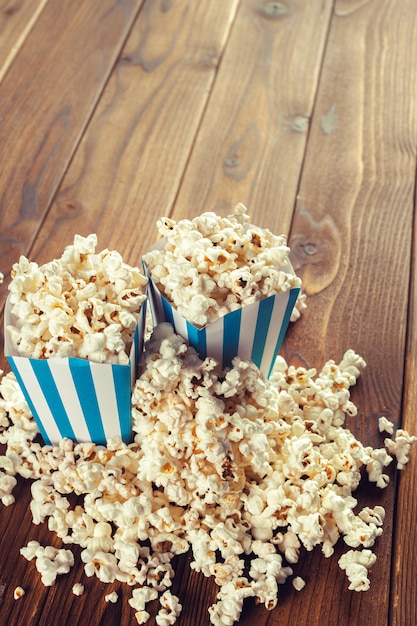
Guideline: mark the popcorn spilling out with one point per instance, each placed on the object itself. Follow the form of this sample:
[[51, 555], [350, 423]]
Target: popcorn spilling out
[[210, 266], [242, 471], [85, 304]]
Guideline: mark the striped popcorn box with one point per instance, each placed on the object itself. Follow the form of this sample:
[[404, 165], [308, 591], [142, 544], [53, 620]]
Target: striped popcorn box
[[254, 332], [76, 398]]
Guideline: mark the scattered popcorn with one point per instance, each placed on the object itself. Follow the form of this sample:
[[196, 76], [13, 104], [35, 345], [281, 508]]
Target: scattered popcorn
[[386, 425], [212, 265], [18, 593], [85, 304], [50, 562], [170, 609], [7, 484], [400, 447], [140, 598], [111, 597], [356, 565], [298, 583], [242, 471], [78, 589]]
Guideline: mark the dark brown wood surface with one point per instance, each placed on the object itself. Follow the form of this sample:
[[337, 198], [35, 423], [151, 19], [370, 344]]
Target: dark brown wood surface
[[114, 113]]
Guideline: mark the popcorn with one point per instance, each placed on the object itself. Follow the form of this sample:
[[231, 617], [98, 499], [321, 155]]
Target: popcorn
[[7, 484], [356, 565], [243, 471], [211, 265], [78, 589], [400, 447], [85, 304], [50, 562], [73, 336], [101, 564], [19, 592], [140, 598], [170, 609], [111, 597], [386, 425], [212, 277], [298, 583]]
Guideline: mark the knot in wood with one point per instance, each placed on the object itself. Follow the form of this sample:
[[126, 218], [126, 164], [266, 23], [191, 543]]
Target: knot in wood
[[310, 249], [273, 10], [72, 205]]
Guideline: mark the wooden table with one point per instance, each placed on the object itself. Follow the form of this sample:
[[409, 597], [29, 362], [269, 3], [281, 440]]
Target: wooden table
[[115, 113]]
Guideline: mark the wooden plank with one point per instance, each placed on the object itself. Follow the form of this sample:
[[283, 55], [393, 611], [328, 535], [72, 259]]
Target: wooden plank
[[354, 254], [404, 569], [155, 135], [128, 168], [130, 163], [16, 21], [251, 145], [47, 98]]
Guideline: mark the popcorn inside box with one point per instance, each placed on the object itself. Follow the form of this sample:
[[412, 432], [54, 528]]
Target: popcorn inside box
[[74, 332], [226, 286]]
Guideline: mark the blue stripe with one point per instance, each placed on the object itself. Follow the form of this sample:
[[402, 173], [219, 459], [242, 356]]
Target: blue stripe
[[168, 315], [52, 396], [266, 307], [197, 339], [123, 397], [29, 401], [288, 311], [231, 333], [202, 342], [84, 385], [136, 336]]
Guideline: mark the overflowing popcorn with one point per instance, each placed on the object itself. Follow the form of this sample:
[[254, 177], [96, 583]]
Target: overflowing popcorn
[[242, 471], [212, 265], [85, 304]]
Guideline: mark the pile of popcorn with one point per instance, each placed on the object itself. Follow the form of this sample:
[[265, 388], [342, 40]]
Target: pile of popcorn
[[241, 471], [212, 265], [85, 304]]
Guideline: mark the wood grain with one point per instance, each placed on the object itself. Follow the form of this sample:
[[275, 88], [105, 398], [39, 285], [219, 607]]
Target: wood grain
[[359, 172], [404, 593], [304, 111], [142, 131], [46, 106], [251, 143], [17, 18]]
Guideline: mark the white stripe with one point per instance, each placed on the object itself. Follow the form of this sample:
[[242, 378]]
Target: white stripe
[[214, 340], [248, 326], [38, 399], [180, 324], [132, 362], [106, 398], [62, 376], [277, 317]]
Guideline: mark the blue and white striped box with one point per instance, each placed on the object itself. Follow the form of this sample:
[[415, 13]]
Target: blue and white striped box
[[254, 332], [76, 398]]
